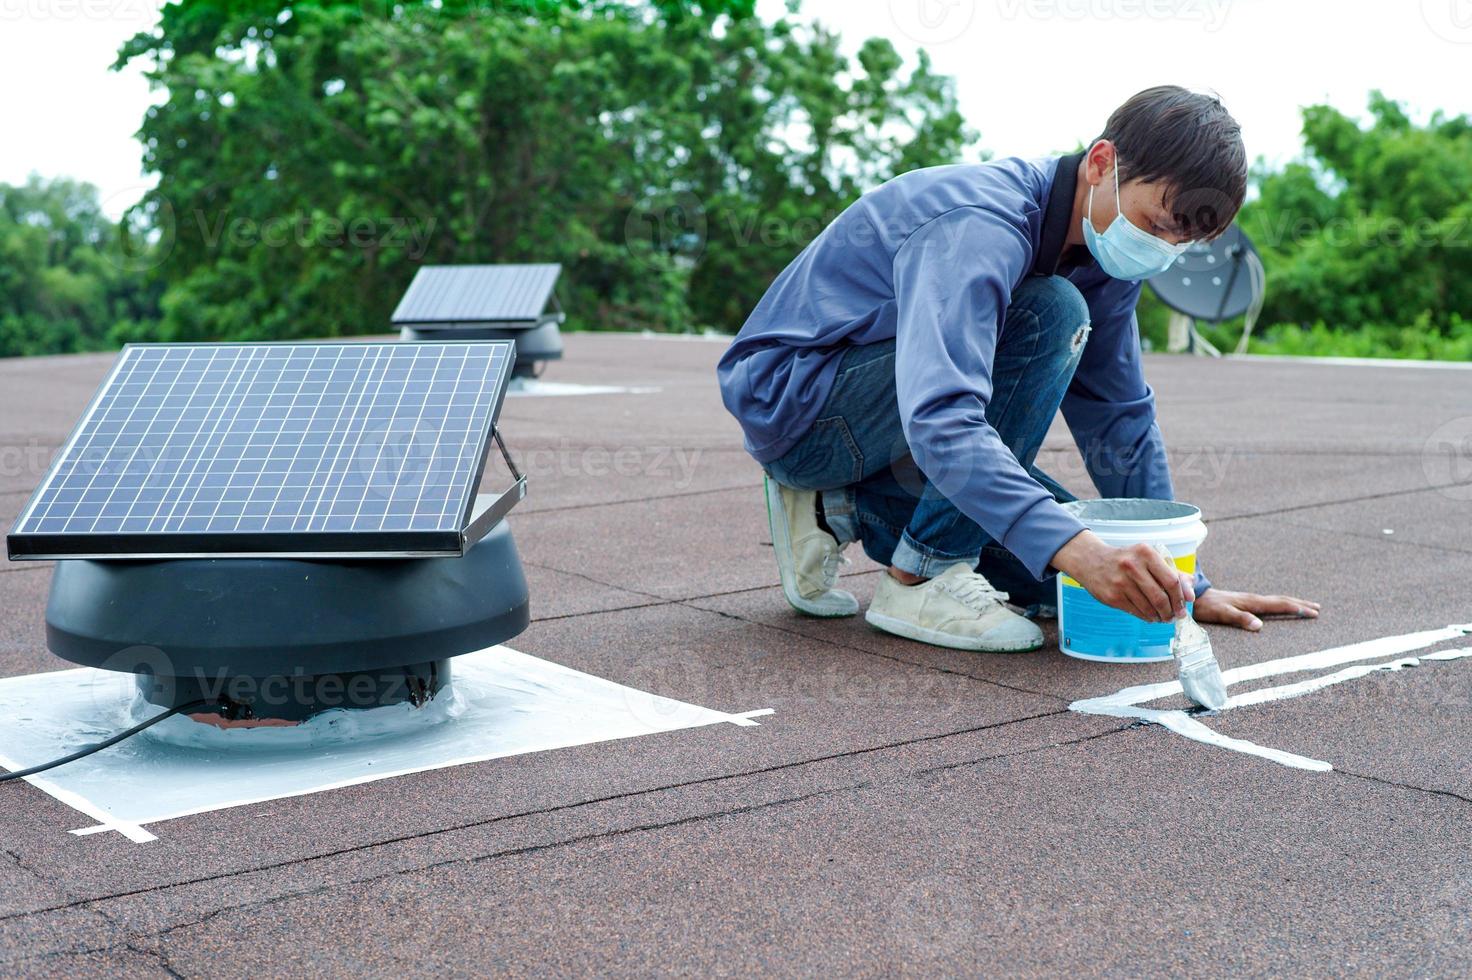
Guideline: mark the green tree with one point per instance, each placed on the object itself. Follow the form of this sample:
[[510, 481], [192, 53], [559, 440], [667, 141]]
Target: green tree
[[311, 157], [67, 283], [1372, 231]]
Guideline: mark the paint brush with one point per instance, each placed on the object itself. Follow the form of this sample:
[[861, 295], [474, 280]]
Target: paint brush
[[1200, 676]]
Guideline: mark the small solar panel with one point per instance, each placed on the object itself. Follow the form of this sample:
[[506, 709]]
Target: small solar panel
[[273, 449], [469, 294]]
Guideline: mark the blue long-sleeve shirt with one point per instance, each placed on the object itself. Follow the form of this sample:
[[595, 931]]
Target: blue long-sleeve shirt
[[931, 259]]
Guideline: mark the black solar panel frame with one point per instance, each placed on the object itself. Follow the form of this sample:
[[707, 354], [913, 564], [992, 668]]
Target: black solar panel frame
[[41, 546]]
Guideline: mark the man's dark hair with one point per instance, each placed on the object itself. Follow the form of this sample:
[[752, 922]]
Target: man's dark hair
[[1191, 144]]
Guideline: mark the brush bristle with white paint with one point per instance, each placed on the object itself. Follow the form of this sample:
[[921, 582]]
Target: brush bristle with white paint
[[1201, 678]]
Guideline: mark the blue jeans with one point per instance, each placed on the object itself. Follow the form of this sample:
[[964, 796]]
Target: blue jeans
[[872, 491]]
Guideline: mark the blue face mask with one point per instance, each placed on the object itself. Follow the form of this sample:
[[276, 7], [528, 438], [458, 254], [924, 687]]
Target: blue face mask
[[1125, 251]]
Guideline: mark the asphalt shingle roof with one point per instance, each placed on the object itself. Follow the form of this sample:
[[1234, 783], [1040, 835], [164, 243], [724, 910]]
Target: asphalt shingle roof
[[905, 808]]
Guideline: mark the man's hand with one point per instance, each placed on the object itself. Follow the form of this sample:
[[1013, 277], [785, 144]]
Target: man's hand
[[1243, 609], [1135, 579]]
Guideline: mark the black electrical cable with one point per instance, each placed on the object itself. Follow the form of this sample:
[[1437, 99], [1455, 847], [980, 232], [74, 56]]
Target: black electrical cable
[[89, 750]]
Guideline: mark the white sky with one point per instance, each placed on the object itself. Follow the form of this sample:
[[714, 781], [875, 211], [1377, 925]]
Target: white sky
[[1034, 76]]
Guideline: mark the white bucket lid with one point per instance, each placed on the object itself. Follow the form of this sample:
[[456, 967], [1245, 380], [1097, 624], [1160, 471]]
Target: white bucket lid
[[1133, 513]]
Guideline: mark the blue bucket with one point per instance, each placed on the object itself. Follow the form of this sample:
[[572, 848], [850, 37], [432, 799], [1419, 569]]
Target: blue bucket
[[1090, 630]]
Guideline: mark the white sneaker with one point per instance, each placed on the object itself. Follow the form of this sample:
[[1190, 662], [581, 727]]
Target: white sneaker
[[808, 557], [957, 608]]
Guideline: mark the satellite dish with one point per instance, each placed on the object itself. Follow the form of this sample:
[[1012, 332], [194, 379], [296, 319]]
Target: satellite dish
[[1215, 281]]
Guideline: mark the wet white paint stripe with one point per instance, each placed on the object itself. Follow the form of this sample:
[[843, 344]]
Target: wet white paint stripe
[[534, 388], [78, 802], [1184, 724], [1384, 647], [1127, 703], [745, 718], [1339, 677], [1376, 362], [132, 831]]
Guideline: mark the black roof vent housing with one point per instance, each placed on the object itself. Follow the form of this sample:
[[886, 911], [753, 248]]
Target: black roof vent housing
[[283, 529]]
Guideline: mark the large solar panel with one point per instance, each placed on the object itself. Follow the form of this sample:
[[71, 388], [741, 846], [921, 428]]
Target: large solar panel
[[273, 449]]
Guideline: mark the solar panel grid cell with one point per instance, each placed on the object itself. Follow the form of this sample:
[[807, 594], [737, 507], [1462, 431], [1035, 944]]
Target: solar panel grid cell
[[274, 448]]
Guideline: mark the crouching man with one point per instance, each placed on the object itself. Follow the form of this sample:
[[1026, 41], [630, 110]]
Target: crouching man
[[897, 380]]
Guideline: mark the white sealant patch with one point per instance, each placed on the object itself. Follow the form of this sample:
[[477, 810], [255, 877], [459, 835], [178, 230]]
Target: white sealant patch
[[504, 703], [536, 388], [1127, 703]]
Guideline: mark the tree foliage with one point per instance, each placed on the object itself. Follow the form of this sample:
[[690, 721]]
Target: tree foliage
[[672, 156], [1373, 228], [66, 281]]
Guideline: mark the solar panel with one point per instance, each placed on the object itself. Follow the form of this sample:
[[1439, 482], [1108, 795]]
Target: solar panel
[[468, 294], [273, 449]]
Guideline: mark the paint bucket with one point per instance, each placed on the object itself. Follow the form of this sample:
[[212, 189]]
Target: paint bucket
[[1090, 630]]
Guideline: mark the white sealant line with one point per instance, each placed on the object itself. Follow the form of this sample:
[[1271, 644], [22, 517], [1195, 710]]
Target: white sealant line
[[745, 718], [542, 673], [1183, 724], [1456, 654], [132, 831], [136, 833], [1384, 647], [1377, 362], [535, 388], [1339, 677], [105, 821], [1127, 703]]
